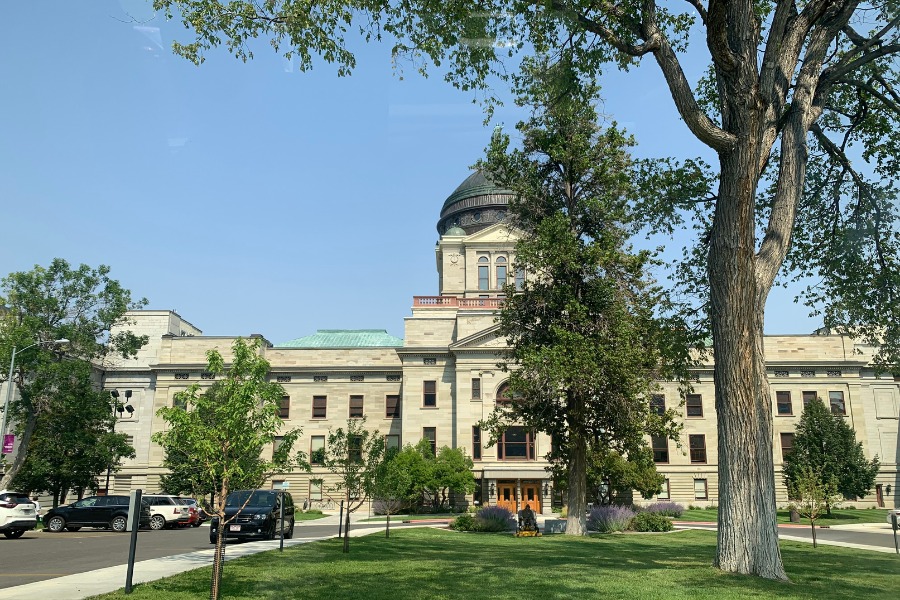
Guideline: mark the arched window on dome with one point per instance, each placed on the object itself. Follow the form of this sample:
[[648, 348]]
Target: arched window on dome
[[501, 272], [484, 272]]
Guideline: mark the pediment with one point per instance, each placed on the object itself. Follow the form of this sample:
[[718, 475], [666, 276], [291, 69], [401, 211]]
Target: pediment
[[499, 233], [489, 338]]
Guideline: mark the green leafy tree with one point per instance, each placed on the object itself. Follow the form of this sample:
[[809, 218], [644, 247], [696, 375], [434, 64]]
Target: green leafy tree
[[791, 92], [415, 463], [451, 474], [52, 303], [587, 339], [392, 486], [814, 493], [825, 444], [226, 431], [354, 454], [73, 441]]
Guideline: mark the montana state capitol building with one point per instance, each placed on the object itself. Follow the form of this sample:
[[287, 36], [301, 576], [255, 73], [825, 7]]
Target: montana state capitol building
[[441, 380]]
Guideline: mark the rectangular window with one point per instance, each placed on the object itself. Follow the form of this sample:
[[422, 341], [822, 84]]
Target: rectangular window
[[276, 444], [315, 489], [698, 448], [180, 402], [429, 394], [392, 442], [700, 490], [284, 409], [517, 443], [694, 405], [476, 442], [783, 403], [664, 494], [392, 406], [476, 388], [808, 397], [836, 399], [320, 407], [520, 279], [354, 449], [277, 484], [660, 449], [317, 450], [356, 407], [501, 276], [658, 404], [430, 434], [787, 444], [483, 276]]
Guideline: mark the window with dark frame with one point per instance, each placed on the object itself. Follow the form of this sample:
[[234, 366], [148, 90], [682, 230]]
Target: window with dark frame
[[836, 400], [476, 388], [354, 448], [520, 279], [356, 407], [501, 272], [697, 444], [320, 407], [658, 404], [430, 434], [429, 394], [503, 398], [392, 406], [484, 269], [284, 409], [392, 442], [694, 403], [783, 403], [516, 443], [808, 396], [787, 444], [701, 492], [664, 494], [317, 450], [476, 442], [660, 449]]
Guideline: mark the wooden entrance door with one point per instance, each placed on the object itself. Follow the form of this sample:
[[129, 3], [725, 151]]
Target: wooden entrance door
[[506, 496], [531, 496]]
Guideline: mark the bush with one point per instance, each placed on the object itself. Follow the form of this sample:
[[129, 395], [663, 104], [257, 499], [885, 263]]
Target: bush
[[607, 519], [464, 522], [669, 509], [493, 518], [564, 512], [648, 521]]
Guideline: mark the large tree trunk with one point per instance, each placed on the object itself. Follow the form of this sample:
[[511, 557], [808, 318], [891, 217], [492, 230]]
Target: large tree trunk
[[747, 531], [21, 450], [576, 522]]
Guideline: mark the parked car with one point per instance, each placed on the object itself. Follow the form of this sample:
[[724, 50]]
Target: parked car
[[893, 511], [108, 512], [17, 514], [166, 511], [255, 514], [194, 513]]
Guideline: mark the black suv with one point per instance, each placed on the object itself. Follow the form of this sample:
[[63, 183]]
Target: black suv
[[255, 514], [94, 511]]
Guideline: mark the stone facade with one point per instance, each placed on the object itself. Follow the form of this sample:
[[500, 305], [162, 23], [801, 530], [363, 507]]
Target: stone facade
[[446, 378]]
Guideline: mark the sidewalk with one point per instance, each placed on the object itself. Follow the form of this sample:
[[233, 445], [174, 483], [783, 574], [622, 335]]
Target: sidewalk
[[110, 579]]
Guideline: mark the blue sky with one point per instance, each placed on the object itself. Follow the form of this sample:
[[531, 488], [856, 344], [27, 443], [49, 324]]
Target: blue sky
[[251, 198]]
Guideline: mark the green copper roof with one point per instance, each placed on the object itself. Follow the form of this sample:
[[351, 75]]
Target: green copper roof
[[475, 184], [346, 338]]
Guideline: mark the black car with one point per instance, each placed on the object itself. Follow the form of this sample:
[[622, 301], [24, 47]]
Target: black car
[[109, 512], [255, 514]]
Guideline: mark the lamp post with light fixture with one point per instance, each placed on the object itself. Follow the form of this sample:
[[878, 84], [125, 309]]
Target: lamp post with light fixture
[[120, 409], [9, 386]]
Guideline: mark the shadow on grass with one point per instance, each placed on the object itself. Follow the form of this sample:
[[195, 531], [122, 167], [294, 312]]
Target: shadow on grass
[[440, 564]]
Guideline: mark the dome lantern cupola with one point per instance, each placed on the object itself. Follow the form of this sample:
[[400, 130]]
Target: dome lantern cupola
[[476, 204]]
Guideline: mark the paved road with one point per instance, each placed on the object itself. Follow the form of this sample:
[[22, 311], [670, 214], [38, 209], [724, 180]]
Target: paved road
[[879, 538], [38, 556]]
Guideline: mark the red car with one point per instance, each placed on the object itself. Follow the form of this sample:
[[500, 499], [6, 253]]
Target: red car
[[195, 518]]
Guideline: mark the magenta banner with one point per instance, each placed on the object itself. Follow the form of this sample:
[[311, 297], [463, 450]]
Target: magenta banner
[[8, 441]]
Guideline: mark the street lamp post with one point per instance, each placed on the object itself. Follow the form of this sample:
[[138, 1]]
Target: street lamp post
[[117, 408], [9, 386]]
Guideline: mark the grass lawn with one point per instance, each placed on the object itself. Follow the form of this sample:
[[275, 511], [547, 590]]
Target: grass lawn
[[431, 564], [307, 516], [842, 516]]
